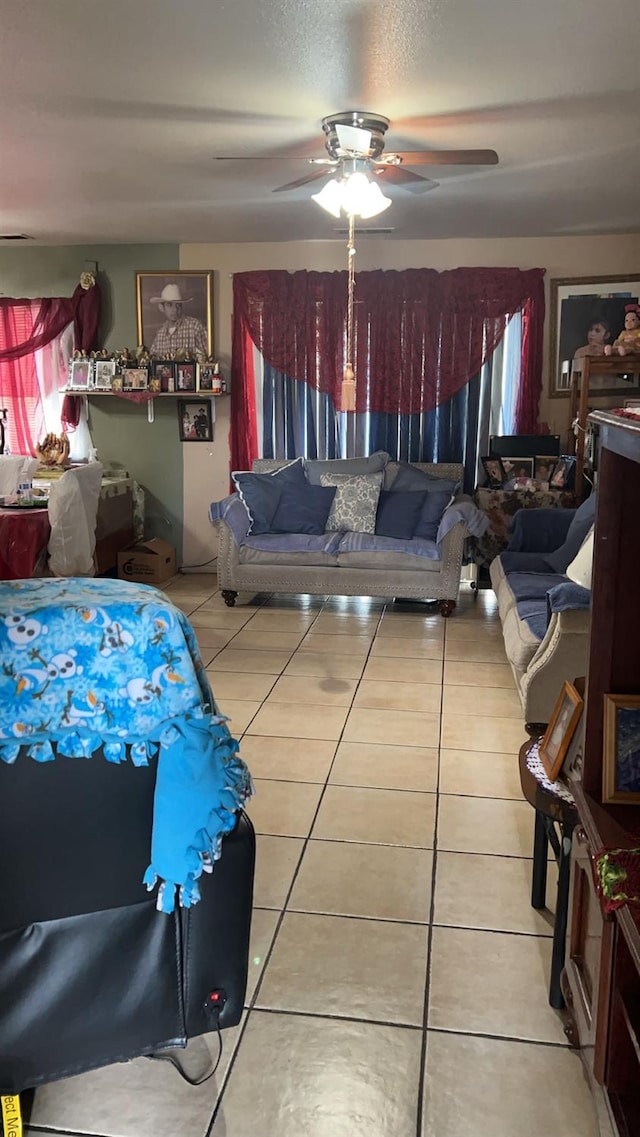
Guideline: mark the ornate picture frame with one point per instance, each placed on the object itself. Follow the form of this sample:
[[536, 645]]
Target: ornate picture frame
[[621, 750], [174, 312], [561, 728], [576, 306]]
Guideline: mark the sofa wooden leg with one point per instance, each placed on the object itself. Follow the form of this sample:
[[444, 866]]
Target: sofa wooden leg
[[447, 607], [229, 597]]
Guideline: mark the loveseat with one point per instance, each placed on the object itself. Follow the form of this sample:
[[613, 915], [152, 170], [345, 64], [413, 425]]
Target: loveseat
[[544, 613], [283, 554]]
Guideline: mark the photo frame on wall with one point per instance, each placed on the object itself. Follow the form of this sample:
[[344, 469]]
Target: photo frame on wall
[[562, 724], [174, 312], [587, 314], [195, 420], [621, 749]]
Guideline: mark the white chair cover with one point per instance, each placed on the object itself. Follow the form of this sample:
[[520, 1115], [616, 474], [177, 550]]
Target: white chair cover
[[15, 468], [73, 509]]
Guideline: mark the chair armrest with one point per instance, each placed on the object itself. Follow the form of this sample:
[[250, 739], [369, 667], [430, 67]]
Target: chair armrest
[[539, 530], [231, 513]]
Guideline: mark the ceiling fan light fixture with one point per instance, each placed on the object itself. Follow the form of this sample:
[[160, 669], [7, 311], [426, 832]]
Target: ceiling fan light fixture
[[356, 195]]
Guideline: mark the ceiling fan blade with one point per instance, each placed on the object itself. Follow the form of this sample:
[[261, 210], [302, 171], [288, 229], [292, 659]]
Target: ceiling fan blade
[[312, 177], [397, 175], [448, 157], [353, 138]]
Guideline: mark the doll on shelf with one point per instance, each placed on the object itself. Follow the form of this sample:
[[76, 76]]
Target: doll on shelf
[[628, 342]]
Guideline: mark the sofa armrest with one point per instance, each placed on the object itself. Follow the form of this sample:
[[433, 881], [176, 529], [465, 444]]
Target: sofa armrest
[[462, 510], [230, 512], [539, 530]]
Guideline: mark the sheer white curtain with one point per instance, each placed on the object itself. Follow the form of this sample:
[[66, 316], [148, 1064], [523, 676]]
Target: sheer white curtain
[[52, 364]]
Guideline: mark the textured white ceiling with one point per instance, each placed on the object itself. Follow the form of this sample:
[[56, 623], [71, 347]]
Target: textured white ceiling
[[112, 112]]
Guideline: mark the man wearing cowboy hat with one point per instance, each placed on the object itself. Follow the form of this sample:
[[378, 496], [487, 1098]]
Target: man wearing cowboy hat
[[178, 333]]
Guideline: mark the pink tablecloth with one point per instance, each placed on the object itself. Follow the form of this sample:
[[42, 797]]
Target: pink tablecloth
[[24, 533]]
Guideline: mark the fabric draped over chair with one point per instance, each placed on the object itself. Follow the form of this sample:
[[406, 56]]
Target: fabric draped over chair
[[420, 337]]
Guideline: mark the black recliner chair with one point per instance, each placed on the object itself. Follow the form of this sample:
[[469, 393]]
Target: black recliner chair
[[90, 972]]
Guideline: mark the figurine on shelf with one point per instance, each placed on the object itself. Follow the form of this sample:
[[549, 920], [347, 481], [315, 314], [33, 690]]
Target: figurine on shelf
[[628, 342]]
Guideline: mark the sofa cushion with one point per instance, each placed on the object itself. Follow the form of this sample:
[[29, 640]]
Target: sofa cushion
[[398, 514], [535, 615], [581, 523], [524, 562], [356, 502], [435, 503], [533, 585], [260, 493], [370, 551], [372, 465], [303, 509], [290, 549], [409, 479]]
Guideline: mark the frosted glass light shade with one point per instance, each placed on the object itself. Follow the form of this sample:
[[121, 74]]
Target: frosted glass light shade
[[330, 197], [354, 195]]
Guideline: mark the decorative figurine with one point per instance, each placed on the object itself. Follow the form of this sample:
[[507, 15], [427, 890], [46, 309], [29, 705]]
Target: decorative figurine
[[53, 450], [628, 342]]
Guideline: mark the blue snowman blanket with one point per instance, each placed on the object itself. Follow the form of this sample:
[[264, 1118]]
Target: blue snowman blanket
[[112, 666]]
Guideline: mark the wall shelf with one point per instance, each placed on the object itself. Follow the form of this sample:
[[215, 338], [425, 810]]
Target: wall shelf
[[145, 391]]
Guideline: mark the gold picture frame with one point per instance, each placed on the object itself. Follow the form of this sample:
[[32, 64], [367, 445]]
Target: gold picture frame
[[561, 729], [576, 304], [621, 771], [193, 292]]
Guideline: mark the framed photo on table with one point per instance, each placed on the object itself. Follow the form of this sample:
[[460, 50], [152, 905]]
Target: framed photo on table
[[543, 468], [518, 467], [174, 312], [495, 472], [621, 749], [587, 314], [562, 725], [563, 473]]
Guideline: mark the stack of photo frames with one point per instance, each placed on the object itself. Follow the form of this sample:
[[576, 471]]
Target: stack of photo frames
[[545, 471]]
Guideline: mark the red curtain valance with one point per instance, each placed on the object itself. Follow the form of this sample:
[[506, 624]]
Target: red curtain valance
[[47, 322]]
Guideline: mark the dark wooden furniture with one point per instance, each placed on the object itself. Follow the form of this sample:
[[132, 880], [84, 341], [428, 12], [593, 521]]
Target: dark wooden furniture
[[551, 811], [579, 401], [601, 979]]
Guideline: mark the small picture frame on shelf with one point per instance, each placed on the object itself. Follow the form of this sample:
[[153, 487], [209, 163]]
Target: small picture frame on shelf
[[621, 750], [80, 374], [543, 468], [495, 472], [518, 468], [564, 720], [185, 376], [117, 383], [563, 473], [195, 420], [205, 378], [163, 373], [104, 372], [135, 379]]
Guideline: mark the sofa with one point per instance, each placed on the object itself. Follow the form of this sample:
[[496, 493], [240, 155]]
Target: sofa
[[544, 612], [345, 556]]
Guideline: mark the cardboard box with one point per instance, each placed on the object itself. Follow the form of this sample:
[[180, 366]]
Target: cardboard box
[[148, 562]]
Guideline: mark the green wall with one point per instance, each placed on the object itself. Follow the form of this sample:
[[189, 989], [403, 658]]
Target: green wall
[[151, 452]]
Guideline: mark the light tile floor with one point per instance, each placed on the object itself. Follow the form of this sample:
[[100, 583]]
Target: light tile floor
[[398, 974]]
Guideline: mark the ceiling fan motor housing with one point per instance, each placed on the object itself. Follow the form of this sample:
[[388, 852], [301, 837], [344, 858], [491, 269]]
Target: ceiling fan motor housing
[[376, 124]]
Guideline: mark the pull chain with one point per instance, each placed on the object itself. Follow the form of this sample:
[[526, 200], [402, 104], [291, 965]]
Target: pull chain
[[348, 393]]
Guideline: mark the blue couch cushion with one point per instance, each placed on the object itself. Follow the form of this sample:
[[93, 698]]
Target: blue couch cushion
[[535, 615], [581, 523], [533, 585], [372, 465], [410, 479], [260, 493], [435, 503], [524, 562], [398, 514], [303, 509]]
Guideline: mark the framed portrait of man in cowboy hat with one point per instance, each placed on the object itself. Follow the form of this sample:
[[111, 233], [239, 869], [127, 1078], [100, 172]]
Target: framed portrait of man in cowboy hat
[[174, 313]]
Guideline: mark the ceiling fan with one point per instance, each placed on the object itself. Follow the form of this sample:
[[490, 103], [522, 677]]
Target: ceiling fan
[[355, 141]]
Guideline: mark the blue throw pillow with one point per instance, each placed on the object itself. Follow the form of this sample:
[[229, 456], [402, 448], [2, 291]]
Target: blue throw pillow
[[434, 506], [303, 509], [412, 480], [260, 493], [372, 465], [581, 522], [398, 514]]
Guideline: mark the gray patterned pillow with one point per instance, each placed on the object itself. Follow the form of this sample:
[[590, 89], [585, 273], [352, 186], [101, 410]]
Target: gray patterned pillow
[[355, 504]]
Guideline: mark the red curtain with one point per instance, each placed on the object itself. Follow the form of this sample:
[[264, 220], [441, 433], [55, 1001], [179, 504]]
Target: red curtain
[[420, 335]]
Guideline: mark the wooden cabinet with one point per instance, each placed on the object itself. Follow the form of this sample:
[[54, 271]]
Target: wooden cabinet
[[601, 980]]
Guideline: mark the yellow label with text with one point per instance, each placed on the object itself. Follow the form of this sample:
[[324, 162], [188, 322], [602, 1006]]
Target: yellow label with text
[[11, 1115]]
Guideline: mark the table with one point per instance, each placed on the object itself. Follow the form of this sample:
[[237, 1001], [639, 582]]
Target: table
[[500, 506], [24, 534]]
